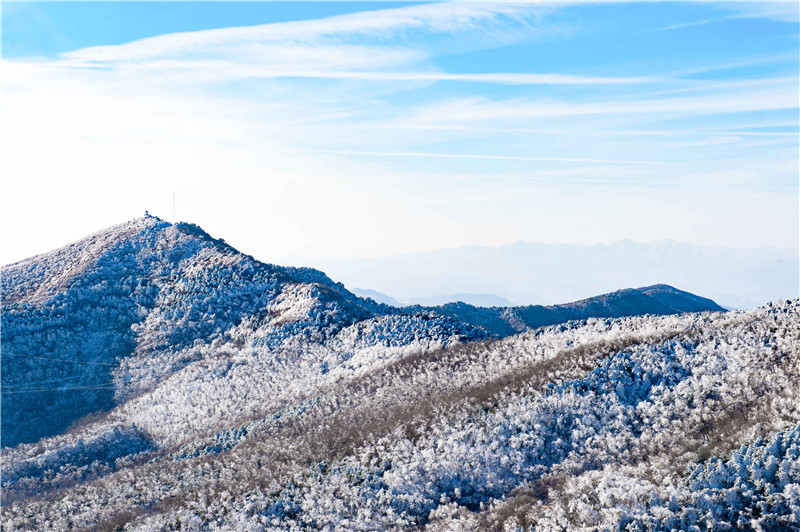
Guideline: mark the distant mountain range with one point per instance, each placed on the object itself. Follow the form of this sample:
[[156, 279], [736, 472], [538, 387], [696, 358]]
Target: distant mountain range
[[155, 378], [529, 273], [479, 300], [497, 316], [376, 296], [506, 321]]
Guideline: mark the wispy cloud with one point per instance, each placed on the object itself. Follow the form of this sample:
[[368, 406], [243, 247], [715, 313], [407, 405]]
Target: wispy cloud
[[790, 58], [503, 78], [603, 132], [476, 156], [219, 71], [782, 11], [345, 47], [441, 18], [690, 24], [782, 97]]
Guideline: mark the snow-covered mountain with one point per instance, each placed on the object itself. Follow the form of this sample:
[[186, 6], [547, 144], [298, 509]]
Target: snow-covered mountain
[[505, 321], [530, 273], [154, 378], [478, 300], [105, 319], [376, 296]]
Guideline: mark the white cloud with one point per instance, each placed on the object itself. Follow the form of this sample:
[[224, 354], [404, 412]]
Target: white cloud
[[301, 65], [445, 18], [781, 10], [345, 47], [782, 97], [476, 156], [297, 136]]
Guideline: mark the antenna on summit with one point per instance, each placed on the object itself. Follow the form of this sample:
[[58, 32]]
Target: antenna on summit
[[173, 208]]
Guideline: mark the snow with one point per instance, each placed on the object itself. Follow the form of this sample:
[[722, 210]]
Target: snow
[[234, 395]]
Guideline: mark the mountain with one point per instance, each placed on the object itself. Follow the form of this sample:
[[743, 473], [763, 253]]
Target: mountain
[[376, 296], [90, 325], [505, 321], [154, 378], [478, 300], [530, 273]]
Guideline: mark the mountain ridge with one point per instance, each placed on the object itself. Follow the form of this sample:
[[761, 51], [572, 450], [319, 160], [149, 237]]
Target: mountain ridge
[[527, 273]]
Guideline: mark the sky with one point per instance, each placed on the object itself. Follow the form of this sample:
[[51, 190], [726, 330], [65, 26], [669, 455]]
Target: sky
[[338, 130]]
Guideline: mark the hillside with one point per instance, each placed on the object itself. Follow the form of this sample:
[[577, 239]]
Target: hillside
[[154, 378]]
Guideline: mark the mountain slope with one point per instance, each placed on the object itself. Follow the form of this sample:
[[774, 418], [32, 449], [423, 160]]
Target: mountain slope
[[582, 426]]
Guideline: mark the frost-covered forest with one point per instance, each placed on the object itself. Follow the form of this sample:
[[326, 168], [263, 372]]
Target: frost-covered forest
[[154, 378]]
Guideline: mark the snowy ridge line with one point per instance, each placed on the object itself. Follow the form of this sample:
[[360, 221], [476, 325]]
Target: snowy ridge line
[[709, 337], [571, 361]]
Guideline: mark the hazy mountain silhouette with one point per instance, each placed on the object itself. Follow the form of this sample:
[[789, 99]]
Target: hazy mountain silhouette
[[530, 273]]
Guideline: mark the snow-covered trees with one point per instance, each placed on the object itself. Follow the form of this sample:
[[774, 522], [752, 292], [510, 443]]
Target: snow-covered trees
[[604, 424], [244, 396]]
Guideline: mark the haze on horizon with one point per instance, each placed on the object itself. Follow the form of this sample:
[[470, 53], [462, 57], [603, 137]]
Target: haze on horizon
[[303, 132]]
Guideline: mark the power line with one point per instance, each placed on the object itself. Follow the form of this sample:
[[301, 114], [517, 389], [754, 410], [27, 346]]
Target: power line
[[67, 360], [59, 379], [91, 387]]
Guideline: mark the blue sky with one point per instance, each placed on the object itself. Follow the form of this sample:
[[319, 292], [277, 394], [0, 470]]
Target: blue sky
[[301, 131]]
